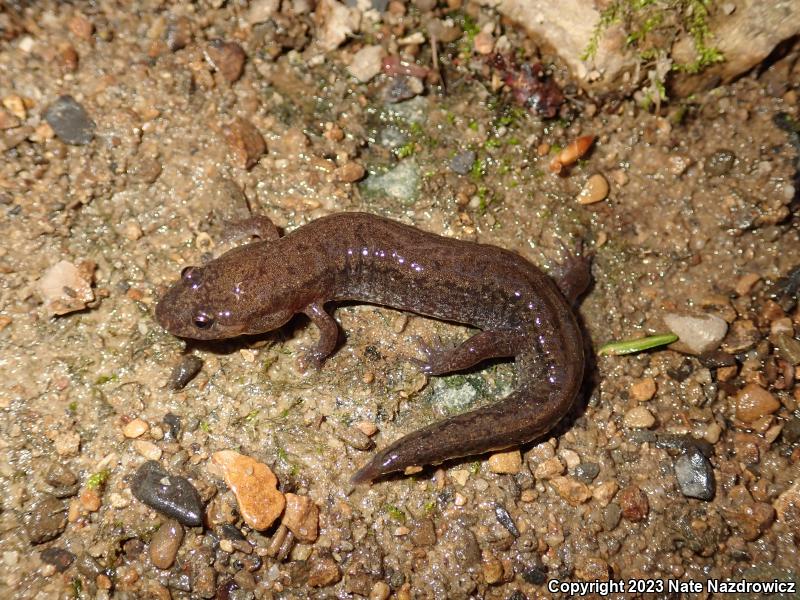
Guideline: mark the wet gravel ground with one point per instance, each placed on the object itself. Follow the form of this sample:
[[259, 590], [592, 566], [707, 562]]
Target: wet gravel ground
[[135, 465]]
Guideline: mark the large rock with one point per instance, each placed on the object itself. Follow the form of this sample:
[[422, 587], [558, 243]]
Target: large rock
[[745, 37]]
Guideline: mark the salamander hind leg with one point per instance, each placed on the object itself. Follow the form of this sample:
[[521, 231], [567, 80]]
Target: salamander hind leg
[[574, 274], [481, 346]]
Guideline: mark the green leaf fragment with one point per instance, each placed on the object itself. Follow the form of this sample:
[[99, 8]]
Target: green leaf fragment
[[637, 345]]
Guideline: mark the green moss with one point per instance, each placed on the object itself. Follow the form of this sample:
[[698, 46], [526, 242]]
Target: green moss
[[97, 479], [651, 29], [395, 514]]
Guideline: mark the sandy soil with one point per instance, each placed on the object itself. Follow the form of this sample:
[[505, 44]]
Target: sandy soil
[[698, 220]]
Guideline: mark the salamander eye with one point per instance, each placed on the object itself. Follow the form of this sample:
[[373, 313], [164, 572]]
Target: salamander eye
[[188, 272], [202, 321]]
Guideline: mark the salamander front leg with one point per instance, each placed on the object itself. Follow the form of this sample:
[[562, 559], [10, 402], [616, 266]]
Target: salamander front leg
[[328, 336], [480, 347]]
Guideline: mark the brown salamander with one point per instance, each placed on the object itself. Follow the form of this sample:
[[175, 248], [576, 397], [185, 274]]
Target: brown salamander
[[521, 312]]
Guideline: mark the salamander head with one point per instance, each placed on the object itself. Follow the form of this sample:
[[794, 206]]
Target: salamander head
[[221, 299]]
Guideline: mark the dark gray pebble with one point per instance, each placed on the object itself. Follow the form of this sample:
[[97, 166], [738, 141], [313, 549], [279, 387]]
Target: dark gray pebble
[[58, 557], [586, 472], [171, 495], [181, 582], [173, 423], [70, 121], [719, 163], [45, 519], [402, 88], [695, 475], [229, 532], [184, 371], [716, 359], [534, 574], [462, 162], [505, 520], [88, 566]]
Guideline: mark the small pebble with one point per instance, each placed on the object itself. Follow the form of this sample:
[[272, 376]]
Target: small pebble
[[712, 433], [147, 449], [505, 462], [355, 438], [380, 591], [586, 472], [402, 88], [184, 371], [695, 475], [367, 428], [227, 58], [462, 162], [787, 505], [570, 458], [423, 532], [247, 145], [505, 520], [595, 190], [301, 517], [570, 489], [349, 172], [65, 288], [643, 390], [135, 428], [483, 43], [144, 170], [549, 468], [81, 26], [165, 543], [753, 402], [323, 571], [746, 283], [90, 500], [634, 503], [639, 417], [58, 557], [254, 485], [45, 519], [604, 492], [743, 335], [697, 334], [171, 495], [178, 33], [367, 63], [16, 106], [460, 476], [70, 121], [8, 121], [787, 347], [719, 163], [492, 571], [260, 11]]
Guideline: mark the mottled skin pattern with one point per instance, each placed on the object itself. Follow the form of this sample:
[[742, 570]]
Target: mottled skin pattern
[[356, 256]]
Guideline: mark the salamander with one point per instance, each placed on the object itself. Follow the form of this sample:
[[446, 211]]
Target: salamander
[[520, 312]]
